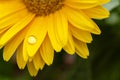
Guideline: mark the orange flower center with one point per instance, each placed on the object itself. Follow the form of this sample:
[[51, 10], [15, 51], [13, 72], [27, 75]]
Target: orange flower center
[[43, 7]]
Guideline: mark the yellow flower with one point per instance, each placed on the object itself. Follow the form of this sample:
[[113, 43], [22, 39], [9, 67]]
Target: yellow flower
[[34, 29]]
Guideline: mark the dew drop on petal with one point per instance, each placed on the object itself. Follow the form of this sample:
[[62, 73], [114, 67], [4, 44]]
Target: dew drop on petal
[[31, 40]]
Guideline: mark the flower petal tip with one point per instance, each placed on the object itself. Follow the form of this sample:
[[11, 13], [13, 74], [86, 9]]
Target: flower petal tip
[[20, 67], [86, 57], [5, 59], [49, 63], [41, 68]]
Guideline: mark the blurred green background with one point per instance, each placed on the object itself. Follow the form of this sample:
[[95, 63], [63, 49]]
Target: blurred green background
[[102, 64]]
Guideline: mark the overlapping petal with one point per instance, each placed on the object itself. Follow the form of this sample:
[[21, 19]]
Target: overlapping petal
[[37, 30], [52, 34], [38, 61], [81, 48], [80, 20], [61, 27], [10, 6], [15, 29], [31, 68], [47, 51], [82, 4], [19, 57], [70, 46], [13, 44], [97, 12]]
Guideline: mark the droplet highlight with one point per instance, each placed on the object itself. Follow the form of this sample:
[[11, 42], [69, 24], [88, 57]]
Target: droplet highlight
[[32, 40]]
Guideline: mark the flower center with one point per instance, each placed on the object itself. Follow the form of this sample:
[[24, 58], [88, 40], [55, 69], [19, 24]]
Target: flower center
[[43, 7]]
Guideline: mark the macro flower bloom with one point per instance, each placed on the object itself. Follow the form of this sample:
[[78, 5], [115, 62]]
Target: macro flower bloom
[[34, 29]]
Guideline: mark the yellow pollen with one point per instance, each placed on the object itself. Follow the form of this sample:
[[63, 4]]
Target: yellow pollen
[[43, 7]]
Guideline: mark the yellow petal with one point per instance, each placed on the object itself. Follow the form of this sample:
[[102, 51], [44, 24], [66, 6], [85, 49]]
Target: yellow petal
[[15, 29], [96, 29], [25, 55], [47, 51], [19, 57], [78, 19], [3, 31], [97, 12], [61, 27], [10, 6], [35, 35], [84, 36], [38, 61], [81, 4], [52, 34], [81, 48], [30, 59], [104, 1], [10, 20], [31, 69], [12, 45], [69, 47]]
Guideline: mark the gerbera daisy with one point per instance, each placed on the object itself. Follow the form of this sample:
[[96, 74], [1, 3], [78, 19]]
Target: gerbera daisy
[[34, 29]]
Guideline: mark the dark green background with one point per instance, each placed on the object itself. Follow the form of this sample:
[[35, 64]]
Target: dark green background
[[102, 64]]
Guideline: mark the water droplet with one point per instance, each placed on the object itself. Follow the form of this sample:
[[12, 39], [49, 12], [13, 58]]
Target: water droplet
[[31, 40]]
